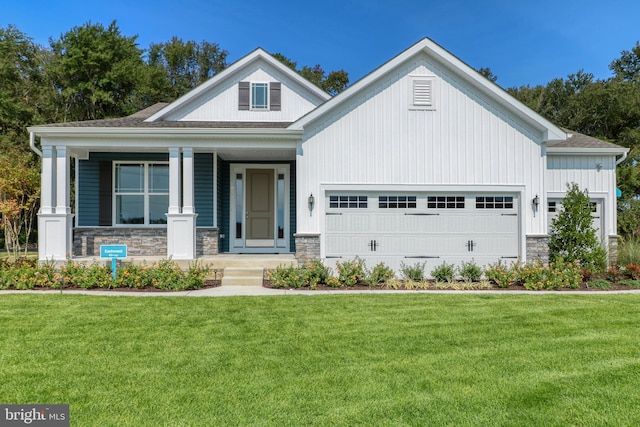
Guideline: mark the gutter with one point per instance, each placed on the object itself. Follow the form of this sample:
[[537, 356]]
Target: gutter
[[622, 158], [32, 144]]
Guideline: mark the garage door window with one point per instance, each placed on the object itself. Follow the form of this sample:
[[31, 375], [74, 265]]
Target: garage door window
[[349, 202], [397, 202], [494, 202], [445, 202]]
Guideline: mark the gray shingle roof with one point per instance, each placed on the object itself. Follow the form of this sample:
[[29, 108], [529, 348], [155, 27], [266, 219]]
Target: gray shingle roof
[[137, 120], [579, 140]]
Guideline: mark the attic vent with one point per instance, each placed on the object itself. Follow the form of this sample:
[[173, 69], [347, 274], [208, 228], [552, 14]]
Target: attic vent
[[422, 93]]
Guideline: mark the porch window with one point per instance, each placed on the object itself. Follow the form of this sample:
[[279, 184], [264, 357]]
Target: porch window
[[141, 192]]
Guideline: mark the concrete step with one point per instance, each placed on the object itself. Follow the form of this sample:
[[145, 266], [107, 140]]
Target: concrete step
[[242, 276]]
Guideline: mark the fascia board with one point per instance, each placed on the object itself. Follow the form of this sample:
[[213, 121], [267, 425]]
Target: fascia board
[[549, 131], [232, 69], [579, 151]]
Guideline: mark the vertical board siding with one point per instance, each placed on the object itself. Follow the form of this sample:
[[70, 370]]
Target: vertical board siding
[[221, 103], [203, 189], [378, 138]]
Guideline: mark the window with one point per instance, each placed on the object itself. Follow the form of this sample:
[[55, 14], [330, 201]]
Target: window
[[259, 96], [494, 202], [348, 202], [141, 193], [397, 202], [445, 202], [552, 207]]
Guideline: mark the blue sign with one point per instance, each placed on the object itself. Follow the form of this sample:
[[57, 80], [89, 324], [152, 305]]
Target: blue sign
[[113, 251]]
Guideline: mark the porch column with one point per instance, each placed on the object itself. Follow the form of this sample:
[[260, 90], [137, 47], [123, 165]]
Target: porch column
[[181, 218], [55, 226]]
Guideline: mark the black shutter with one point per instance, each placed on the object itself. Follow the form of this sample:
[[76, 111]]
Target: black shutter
[[274, 96], [105, 196], [243, 95]]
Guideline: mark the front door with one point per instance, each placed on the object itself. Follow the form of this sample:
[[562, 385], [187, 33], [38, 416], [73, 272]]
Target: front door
[[260, 212]]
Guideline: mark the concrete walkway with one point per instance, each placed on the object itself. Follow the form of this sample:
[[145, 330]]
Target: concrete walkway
[[228, 291]]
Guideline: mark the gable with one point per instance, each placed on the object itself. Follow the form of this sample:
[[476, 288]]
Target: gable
[[257, 88]]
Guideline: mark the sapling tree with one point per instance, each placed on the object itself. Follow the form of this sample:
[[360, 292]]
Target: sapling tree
[[572, 236]]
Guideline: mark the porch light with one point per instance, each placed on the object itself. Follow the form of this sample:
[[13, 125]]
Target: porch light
[[312, 200], [536, 202]]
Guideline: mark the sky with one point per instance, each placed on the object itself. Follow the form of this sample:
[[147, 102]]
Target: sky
[[523, 42]]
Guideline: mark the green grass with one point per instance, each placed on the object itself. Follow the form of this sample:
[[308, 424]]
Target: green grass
[[326, 360]]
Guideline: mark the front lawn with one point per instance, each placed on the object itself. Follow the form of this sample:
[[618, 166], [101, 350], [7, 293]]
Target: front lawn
[[409, 359]]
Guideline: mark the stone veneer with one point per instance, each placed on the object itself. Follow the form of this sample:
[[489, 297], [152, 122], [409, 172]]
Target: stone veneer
[[307, 246], [538, 248], [613, 249], [139, 241]]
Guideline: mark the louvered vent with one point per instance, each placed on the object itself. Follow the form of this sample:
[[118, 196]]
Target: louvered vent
[[422, 94]]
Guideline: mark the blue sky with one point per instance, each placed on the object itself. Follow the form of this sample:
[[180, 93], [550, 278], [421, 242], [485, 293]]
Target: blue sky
[[522, 41]]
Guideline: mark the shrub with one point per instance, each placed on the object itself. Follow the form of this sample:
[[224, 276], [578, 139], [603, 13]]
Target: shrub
[[464, 286], [502, 275], [633, 271], [350, 273], [333, 282], [96, 276], [632, 283], [614, 274], [166, 275], [379, 274], [599, 284], [572, 235], [196, 276], [629, 252], [413, 272], [288, 276], [316, 272], [563, 274], [533, 275], [444, 272], [133, 276], [470, 271]]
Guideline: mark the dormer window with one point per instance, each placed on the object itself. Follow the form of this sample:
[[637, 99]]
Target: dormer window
[[259, 96]]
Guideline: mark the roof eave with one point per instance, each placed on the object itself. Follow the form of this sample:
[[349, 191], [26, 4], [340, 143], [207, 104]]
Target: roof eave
[[588, 150]]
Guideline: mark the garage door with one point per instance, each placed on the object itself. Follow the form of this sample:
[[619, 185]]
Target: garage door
[[426, 227]]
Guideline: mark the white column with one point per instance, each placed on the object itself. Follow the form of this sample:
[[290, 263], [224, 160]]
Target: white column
[[174, 180], [62, 181], [187, 181], [47, 180]]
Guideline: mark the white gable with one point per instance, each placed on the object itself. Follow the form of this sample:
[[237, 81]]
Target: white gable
[[218, 99]]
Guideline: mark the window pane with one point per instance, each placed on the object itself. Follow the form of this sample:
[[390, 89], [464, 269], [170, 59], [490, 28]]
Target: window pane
[[158, 206], [259, 95], [130, 209], [159, 178], [280, 191], [129, 178], [239, 205]]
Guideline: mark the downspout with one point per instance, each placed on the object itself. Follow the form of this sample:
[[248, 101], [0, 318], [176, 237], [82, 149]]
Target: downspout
[[32, 144], [622, 158]]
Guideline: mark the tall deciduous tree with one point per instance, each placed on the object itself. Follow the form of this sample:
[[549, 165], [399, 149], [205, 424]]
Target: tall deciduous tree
[[177, 67], [332, 83], [97, 72]]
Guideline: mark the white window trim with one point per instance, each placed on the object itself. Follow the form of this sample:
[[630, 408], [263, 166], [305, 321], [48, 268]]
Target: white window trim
[[145, 193], [267, 100], [430, 80]]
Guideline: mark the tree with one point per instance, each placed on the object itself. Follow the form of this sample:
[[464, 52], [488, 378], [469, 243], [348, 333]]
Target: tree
[[19, 197], [572, 236], [332, 83], [627, 67], [485, 71], [96, 71], [178, 66]]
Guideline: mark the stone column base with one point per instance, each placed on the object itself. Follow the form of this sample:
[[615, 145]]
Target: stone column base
[[307, 246], [538, 248]]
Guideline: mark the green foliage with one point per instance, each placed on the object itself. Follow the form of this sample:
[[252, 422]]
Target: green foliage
[[133, 276], [287, 276], [413, 272], [501, 274], [350, 272], [629, 252], [599, 284], [559, 274], [470, 271], [533, 275], [316, 272], [444, 272], [632, 283], [332, 83], [572, 235], [464, 286], [380, 274]]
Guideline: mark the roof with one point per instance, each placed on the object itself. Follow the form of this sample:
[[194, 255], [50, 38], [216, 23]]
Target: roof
[[579, 140], [138, 120], [549, 131]]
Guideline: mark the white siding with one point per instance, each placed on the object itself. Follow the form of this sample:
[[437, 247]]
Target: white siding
[[221, 102], [464, 142], [583, 170]]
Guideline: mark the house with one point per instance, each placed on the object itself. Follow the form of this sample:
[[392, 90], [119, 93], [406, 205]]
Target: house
[[422, 160]]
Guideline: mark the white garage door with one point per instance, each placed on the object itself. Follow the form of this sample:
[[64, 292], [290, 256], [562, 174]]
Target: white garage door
[[424, 227]]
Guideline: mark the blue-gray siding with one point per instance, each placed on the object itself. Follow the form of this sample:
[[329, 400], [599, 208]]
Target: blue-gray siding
[[203, 188]]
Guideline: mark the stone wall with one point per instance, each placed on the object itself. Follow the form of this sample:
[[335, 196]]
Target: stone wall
[[206, 241], [139, 241], [538, 248], [613, 249], [307, 246]]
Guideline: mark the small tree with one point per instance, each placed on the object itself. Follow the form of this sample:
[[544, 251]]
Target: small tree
[[573, 237]]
